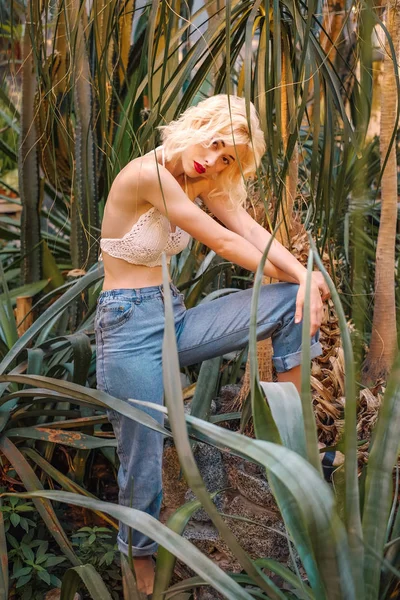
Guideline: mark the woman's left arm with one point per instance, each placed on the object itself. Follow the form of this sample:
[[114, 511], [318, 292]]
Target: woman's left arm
[[288, 268]]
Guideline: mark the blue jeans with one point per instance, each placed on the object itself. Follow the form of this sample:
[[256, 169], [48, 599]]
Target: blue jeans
[[129, 330]]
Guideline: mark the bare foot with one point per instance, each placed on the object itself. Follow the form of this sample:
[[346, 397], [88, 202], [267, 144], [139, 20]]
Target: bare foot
[[144, 571]]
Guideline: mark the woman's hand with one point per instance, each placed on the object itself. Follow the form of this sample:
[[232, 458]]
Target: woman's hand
[[319, 279], [318, 287]]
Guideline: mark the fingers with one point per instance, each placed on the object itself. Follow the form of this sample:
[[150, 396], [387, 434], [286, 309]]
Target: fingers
[[313, 330], [316, 315], [321, 283], [298, 315], [316, 308], [299, 310], [325, 291]]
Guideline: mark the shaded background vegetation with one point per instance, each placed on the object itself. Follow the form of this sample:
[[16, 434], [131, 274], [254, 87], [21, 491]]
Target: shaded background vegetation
[[84, 86]]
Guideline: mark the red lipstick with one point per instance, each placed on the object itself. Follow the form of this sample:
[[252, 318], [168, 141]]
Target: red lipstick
[[199, 168]]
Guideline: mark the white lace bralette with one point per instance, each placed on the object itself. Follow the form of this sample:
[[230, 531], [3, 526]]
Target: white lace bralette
[[148, 238]]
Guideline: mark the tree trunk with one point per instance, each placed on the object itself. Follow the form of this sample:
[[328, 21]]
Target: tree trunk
[[333, 21], [290, 188], [384, 334]]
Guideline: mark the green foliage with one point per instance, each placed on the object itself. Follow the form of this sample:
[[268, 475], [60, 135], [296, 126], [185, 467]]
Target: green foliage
[[108, 88], [308, 505], [95, 546], [13, 513], [88, 121], [9, 139], [33, 567], [88, 576]]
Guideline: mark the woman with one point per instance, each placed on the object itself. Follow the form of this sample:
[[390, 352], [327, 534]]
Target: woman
[[205, 154]]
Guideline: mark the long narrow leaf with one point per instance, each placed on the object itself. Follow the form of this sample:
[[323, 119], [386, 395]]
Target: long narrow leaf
[[310, 494], [205, 388], [352, 499], [310, 427], [32, 483], [264, 424], [379, 481], [73, 390], [128, 581], [73, 439], [285, 404], [174, 401], [155, 530], [87, 575], [165, 560]]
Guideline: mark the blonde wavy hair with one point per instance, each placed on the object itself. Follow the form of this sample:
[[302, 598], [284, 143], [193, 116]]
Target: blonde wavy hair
[[216, 118]]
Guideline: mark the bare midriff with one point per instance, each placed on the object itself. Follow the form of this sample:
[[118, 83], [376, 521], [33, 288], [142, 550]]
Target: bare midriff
[[119, 274]]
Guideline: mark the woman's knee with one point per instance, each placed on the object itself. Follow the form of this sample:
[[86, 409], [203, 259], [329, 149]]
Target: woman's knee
[[280, 298]]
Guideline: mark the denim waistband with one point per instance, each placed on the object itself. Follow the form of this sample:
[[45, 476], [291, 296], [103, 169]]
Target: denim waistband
[[153, 291]]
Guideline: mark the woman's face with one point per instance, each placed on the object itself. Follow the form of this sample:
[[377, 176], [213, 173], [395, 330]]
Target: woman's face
[[198, 161]]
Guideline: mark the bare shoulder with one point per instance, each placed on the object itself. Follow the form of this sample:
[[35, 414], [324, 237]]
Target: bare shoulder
[[140, 174], [129, 190], [146, 170]]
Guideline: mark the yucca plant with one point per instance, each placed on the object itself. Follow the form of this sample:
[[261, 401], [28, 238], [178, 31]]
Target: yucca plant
[[107, 86], [347, 546], [89, 120], [112, 76], [36, 423], [112, 83]]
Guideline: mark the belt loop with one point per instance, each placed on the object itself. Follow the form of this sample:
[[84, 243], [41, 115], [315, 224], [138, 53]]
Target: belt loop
[[138, 297]]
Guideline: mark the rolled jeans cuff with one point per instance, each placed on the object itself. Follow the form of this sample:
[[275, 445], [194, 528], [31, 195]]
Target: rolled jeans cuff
[[146, 551], [285, 363]]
